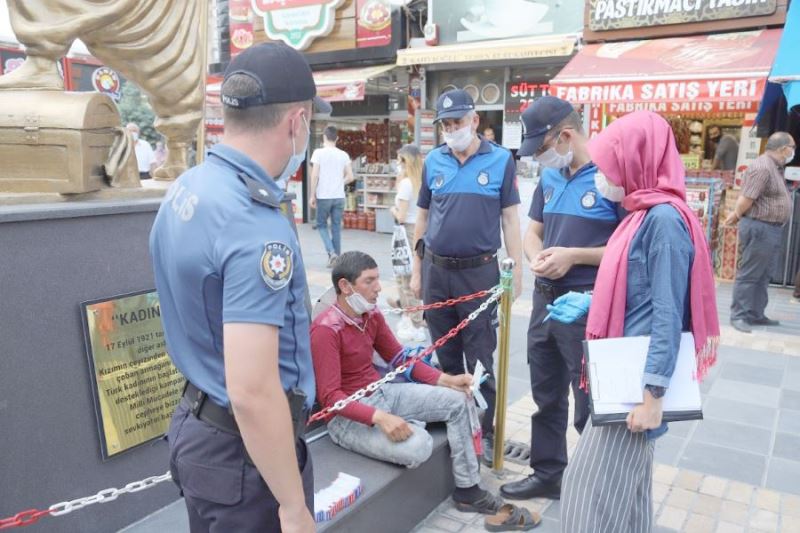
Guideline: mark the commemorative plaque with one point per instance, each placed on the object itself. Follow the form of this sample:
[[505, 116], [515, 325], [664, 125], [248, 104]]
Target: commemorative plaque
[[135, 385]]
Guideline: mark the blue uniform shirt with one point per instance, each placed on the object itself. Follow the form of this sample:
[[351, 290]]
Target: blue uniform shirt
[[465, 202], [223, 252], [574, 215]]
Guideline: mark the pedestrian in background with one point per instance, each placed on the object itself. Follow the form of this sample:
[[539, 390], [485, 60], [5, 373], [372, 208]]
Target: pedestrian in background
[[726, 151], [404, 211], [232, 285], [763, 207], [468, 192], [145, 157], [655, 279], [160, 153], [331, 171], [570, 223]]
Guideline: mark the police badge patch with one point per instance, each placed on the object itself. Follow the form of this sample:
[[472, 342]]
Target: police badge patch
[[483, 179], [588, 200], [438, 182], [548, 194], [277, 265]]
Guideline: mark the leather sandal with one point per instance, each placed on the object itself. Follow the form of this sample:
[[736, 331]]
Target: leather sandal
[[488, 504], [512, 518]]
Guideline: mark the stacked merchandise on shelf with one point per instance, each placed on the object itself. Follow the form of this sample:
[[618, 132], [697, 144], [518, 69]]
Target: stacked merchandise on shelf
[[352, 142], [382, 140]]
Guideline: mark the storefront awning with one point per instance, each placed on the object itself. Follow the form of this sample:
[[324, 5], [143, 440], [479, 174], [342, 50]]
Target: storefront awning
[[727, 68], [348, 84], [500, 50]]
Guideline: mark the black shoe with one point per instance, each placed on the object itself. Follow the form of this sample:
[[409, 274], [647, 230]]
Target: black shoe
[[764, 322], [531, 487], [487, 457], [741, 325]]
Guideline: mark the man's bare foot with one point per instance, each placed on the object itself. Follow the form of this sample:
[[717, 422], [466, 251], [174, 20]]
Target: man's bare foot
[[35, 73]]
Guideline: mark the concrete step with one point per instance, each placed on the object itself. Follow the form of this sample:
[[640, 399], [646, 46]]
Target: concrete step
[[395, 499]]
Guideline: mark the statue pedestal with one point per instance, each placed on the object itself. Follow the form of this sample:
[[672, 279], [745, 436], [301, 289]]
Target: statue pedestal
[[54, 256], [150, 190]]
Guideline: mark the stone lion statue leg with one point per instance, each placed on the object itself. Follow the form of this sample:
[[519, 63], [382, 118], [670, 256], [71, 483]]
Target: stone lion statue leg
[[153, 43]]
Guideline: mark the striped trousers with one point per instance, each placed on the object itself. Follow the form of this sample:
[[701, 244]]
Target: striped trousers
[[608, 484]]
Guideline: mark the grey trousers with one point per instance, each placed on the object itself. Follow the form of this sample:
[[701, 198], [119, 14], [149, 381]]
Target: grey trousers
[[608, 484], [759, 243], [416, 403]]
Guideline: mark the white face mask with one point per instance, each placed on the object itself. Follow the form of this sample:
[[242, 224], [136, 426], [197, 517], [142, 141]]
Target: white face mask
[[135, 136], [295, 160], [552, 159], [789, 158], [459, 140], [608, 190], [401, 169], [358, 303]]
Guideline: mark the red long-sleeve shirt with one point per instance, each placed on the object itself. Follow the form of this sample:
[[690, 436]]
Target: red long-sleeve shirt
[[342, 348]]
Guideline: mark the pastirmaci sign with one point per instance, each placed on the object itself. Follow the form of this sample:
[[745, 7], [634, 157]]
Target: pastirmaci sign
[[607, 15], [297, 22]]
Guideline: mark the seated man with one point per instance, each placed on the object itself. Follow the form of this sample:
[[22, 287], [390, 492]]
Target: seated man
[[343, 340]]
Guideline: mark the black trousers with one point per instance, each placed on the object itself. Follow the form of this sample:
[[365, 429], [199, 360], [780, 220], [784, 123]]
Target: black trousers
[[555, 352], [478, 340], [223, 493]]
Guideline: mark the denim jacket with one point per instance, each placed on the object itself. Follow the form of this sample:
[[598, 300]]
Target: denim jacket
[[659, 265]]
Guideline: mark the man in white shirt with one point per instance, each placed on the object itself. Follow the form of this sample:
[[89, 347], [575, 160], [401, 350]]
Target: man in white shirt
[[331, 171], [145, 157]]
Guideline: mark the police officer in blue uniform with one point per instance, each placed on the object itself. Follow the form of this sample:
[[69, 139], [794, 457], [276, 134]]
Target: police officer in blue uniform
[[570, 223], [231, 283], [468, 192]]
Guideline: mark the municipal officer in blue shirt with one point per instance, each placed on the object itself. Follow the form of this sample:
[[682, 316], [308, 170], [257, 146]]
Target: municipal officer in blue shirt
[[231, 282], [570, 224], [468, 192]]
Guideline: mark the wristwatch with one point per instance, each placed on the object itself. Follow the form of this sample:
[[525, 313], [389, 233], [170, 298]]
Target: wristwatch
[[656, 391]]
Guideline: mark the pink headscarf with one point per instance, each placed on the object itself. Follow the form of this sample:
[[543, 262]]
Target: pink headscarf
[[638, 152]]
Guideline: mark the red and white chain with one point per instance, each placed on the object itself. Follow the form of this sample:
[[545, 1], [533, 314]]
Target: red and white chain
[[31, 516], [437, 305]]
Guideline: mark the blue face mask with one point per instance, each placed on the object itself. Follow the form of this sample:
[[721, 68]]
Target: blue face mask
[[294, 161]]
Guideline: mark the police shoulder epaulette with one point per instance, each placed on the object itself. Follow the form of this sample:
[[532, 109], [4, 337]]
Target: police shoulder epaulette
[[258, 192]]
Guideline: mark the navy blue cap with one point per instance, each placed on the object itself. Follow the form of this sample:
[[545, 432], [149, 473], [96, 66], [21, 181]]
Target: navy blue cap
[[540, 117], [453, 104], [282, 73]]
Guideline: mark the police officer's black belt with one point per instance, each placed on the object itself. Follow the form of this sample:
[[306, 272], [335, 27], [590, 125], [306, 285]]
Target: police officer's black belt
[[551, 292], [461, 263], [222, 418]]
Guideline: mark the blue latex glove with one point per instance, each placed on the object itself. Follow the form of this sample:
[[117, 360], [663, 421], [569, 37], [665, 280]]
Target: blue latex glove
[[569, 307]]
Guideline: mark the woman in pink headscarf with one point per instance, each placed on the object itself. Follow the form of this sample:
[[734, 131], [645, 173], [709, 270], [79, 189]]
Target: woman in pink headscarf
[[655, 279]]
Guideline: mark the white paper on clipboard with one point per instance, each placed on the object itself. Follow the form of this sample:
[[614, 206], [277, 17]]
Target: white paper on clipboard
[[616, 367]]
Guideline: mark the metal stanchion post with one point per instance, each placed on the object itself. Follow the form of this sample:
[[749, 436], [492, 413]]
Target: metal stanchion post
[[506, 280]]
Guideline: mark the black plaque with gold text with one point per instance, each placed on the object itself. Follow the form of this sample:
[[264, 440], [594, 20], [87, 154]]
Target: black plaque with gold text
[[135, 385]]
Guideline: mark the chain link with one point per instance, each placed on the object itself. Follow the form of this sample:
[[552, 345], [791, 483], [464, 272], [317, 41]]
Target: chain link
[[31, 516], [106, 495], [495, 294], [438, 305]]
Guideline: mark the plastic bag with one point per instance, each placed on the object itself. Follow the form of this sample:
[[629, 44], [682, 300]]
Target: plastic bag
[[401, 252]]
